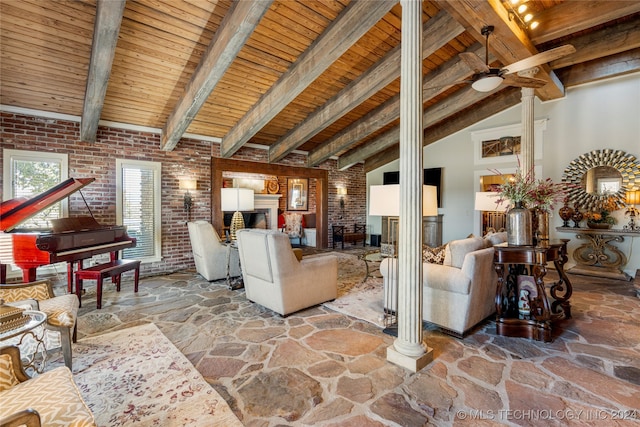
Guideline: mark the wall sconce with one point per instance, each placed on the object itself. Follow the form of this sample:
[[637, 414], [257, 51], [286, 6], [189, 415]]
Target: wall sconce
[[188, 184], [342, 191], [632, 199], [521, 12]]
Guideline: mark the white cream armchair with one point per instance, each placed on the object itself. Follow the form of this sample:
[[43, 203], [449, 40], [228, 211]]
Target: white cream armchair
[[209, 254], [276, 279]]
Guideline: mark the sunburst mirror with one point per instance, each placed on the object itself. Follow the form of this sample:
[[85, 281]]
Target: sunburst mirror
[[599, 175]]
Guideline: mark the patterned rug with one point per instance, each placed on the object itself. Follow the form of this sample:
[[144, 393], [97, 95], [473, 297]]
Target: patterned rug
[[136, 376], [355, 298]]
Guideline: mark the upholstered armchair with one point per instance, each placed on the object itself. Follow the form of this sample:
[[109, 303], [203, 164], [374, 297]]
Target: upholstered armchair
[[276, 279], [293, 226], [49, 399], [61, 311], [210, 254]]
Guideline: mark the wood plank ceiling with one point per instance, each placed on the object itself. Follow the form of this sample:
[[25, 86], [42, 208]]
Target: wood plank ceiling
[[310, 75]]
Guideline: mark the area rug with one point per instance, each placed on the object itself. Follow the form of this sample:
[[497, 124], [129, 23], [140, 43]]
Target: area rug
[[362, 300], [137, 377]]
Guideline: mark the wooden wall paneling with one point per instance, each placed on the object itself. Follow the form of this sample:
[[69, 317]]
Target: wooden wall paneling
[[221, 165]]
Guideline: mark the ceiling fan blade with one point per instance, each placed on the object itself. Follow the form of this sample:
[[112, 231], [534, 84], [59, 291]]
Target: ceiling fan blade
[[540, 58], [517, 81], [474, 62], [447, 85]]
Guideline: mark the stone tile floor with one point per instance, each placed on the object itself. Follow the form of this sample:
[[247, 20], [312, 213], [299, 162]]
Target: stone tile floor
[[319, 367]]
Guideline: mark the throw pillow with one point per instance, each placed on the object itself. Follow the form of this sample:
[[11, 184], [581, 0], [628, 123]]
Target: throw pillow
[[433, 255], [7, 375]]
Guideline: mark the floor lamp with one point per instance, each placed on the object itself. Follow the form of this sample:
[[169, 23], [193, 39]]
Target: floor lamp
[[236, 200], [487, 201], [384, 200]]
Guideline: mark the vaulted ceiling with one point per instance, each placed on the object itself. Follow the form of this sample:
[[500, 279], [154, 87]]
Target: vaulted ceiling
[[310, 75]]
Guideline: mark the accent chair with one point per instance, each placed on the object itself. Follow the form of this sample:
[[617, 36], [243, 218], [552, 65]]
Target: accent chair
[[62, 312], [210, 254], [276, 279]]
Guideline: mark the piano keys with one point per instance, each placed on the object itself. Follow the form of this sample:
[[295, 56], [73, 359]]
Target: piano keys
[[70, 240]]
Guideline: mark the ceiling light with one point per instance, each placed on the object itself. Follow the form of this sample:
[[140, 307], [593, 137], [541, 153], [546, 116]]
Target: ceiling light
[[534, 25], [487, 84], [522, 8]]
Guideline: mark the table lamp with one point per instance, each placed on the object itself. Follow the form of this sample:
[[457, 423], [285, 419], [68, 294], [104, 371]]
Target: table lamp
[[487, 202], [236, 200], [632, 199]]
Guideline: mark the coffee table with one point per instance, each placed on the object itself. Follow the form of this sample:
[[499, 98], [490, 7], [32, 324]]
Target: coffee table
[[29, 329]]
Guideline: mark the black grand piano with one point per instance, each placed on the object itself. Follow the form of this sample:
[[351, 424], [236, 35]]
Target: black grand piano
[[69, 240]]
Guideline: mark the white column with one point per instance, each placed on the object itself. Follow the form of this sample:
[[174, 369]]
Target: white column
[[527, 139], [408, 350]]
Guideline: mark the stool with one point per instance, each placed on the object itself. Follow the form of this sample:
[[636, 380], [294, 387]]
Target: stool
[[110, 269]]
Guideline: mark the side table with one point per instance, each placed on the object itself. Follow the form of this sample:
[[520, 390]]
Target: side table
[[521, 271], [233, 283], [373, 256], [28, 329]]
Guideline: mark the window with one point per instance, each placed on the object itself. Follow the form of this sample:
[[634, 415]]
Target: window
[[29, 173], [138, 207]]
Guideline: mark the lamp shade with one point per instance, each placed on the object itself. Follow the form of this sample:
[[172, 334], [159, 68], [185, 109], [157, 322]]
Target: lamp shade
[[633, 197], [342, 191], [487, 84], [486, 201], [188, 184], [384, 200], [237, 199]]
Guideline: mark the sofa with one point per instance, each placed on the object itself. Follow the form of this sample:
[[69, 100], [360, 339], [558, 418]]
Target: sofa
[[276, 279], [210, 254], [51, 398], [459, 283]]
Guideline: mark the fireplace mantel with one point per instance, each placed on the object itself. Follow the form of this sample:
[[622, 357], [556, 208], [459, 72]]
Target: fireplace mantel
[[270, 202]]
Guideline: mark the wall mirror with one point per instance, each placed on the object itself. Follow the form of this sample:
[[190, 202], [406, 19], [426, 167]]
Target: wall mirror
[[601, 174]]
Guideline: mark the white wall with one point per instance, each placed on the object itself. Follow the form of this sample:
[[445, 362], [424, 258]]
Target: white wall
[[596, 116]]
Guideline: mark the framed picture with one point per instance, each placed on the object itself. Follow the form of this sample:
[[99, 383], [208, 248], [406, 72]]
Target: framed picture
[[502, 144], [297, 194]]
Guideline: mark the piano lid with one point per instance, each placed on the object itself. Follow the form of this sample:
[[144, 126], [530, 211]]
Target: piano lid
[[15, 211]]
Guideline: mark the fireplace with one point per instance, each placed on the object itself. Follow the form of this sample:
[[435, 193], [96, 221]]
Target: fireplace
[[268, 203]]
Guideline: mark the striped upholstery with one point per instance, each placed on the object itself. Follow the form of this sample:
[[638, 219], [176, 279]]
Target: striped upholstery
[[54, 395], [61, 314], [7, 374]]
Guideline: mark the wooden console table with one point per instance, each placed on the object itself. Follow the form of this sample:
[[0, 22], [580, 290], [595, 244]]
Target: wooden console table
[[597, 256], [510, 263]]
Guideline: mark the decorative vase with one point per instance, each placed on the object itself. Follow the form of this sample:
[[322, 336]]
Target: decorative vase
[[576, 218], [542, 233], [565, 212], [519, 230], [598, 225]]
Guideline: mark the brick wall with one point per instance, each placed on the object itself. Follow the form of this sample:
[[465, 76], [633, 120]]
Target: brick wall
[[190, 158]]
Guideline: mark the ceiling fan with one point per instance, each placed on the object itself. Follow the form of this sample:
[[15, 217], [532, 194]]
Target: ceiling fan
[[487, 79]]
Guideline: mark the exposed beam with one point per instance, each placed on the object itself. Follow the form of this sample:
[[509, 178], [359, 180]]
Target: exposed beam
[[602, 43], [508, 42], [448, 107], [493, 105], [357, 18], [103, 49], [571, 17], [611, 66], [234, 31], [434, 83], [437, 32]]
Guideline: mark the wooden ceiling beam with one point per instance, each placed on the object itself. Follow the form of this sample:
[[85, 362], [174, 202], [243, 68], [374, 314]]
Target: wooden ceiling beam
[[493, 105], [509, 43], [446, 108], [611, 66], [234, 31], [105, 38], [602, 43], [437, 32], [571, 17], [433, 84], [348, 28]]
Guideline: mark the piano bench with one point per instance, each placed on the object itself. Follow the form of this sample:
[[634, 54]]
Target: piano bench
[[110, 269]]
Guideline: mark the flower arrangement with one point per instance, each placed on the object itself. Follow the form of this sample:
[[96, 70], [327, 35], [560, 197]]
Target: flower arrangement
[[602, 215], [540, 194]]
